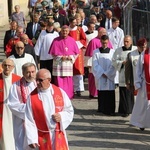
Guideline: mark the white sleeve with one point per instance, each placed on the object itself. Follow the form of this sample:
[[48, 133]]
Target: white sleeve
[[30, 126], [121, 39], [67, 113], [38, 45], [139, 72], [17, 108], [116, 60], [97, 70]]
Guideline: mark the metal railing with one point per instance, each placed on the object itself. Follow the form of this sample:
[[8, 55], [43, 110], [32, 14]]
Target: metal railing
[[127, 18], [136, 22], [140, 24]]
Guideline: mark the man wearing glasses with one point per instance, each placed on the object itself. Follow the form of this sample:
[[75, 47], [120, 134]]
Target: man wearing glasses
[[48, 113], [20, 58], [6, 126], [18, 94]]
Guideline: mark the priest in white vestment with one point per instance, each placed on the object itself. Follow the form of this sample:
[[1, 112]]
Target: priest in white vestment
[[43, 45], [116, 37], [130, 66], [6, 125], [126, 97], [44, 101], [91, 33], [18, 94], [141, 111], [20, 58], [104, 73]]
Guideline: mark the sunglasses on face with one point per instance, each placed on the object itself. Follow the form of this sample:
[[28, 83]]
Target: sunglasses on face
[[40, 80], [20, 48]]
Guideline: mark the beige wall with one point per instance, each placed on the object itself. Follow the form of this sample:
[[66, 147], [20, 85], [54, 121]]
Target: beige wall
[[23, 5], [3, 12], [4, 9]]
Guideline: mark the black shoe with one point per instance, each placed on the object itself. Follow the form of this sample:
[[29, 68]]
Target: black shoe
[[78, 93], [142, 129], [110, 114], [90, 96], [125, 115], [99, 111]]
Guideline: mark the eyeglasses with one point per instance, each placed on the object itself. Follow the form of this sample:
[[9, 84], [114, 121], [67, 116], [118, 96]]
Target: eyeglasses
[[5, 65], [41, 80], [20, 48]]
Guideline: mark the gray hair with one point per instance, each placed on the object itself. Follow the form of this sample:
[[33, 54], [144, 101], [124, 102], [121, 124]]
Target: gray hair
[[26, 65], [128, 36], [17, 6], [92, 16], [4, 61], [56, 25]]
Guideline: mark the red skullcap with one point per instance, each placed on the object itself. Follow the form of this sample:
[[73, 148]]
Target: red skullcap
[[141, 42]]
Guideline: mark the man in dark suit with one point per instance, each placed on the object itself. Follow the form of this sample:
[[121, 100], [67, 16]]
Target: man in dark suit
[[32, 27], [59, 18], [10, 33], [96, 10], [85, 19], [107, 21]]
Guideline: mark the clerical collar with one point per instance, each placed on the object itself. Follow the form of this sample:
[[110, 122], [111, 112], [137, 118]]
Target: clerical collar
[[5, 76], [139, 52], [102, 50], [19, 56], [56, 16], [87, 32], [50, 31], [126, 49], [44, 91], [80, 25]]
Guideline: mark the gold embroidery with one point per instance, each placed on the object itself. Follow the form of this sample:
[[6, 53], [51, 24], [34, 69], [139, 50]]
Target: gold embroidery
[[44, 140]]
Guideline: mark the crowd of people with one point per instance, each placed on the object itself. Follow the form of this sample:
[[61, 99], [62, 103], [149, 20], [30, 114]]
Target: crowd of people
[[48, 60]]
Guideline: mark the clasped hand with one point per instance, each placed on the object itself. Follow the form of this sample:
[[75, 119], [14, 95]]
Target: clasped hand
[[65, 58], [56, 117]]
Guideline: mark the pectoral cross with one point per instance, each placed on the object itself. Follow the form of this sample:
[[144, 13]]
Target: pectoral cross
[[66, 48]]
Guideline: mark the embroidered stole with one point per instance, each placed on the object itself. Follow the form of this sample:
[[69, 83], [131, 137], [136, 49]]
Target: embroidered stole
[[147, 72], [14, 79], [24, 90], [78, 68], [40, 120]]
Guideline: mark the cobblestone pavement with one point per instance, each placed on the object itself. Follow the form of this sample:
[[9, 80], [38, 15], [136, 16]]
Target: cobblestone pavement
[[94, 131]]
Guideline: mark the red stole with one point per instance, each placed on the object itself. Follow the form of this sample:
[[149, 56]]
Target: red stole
[[78, 66], [23, 90], [14, 79], [147, 73], [40, 120]]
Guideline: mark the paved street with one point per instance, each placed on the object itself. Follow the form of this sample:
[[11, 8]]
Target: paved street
[[94, 131]]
